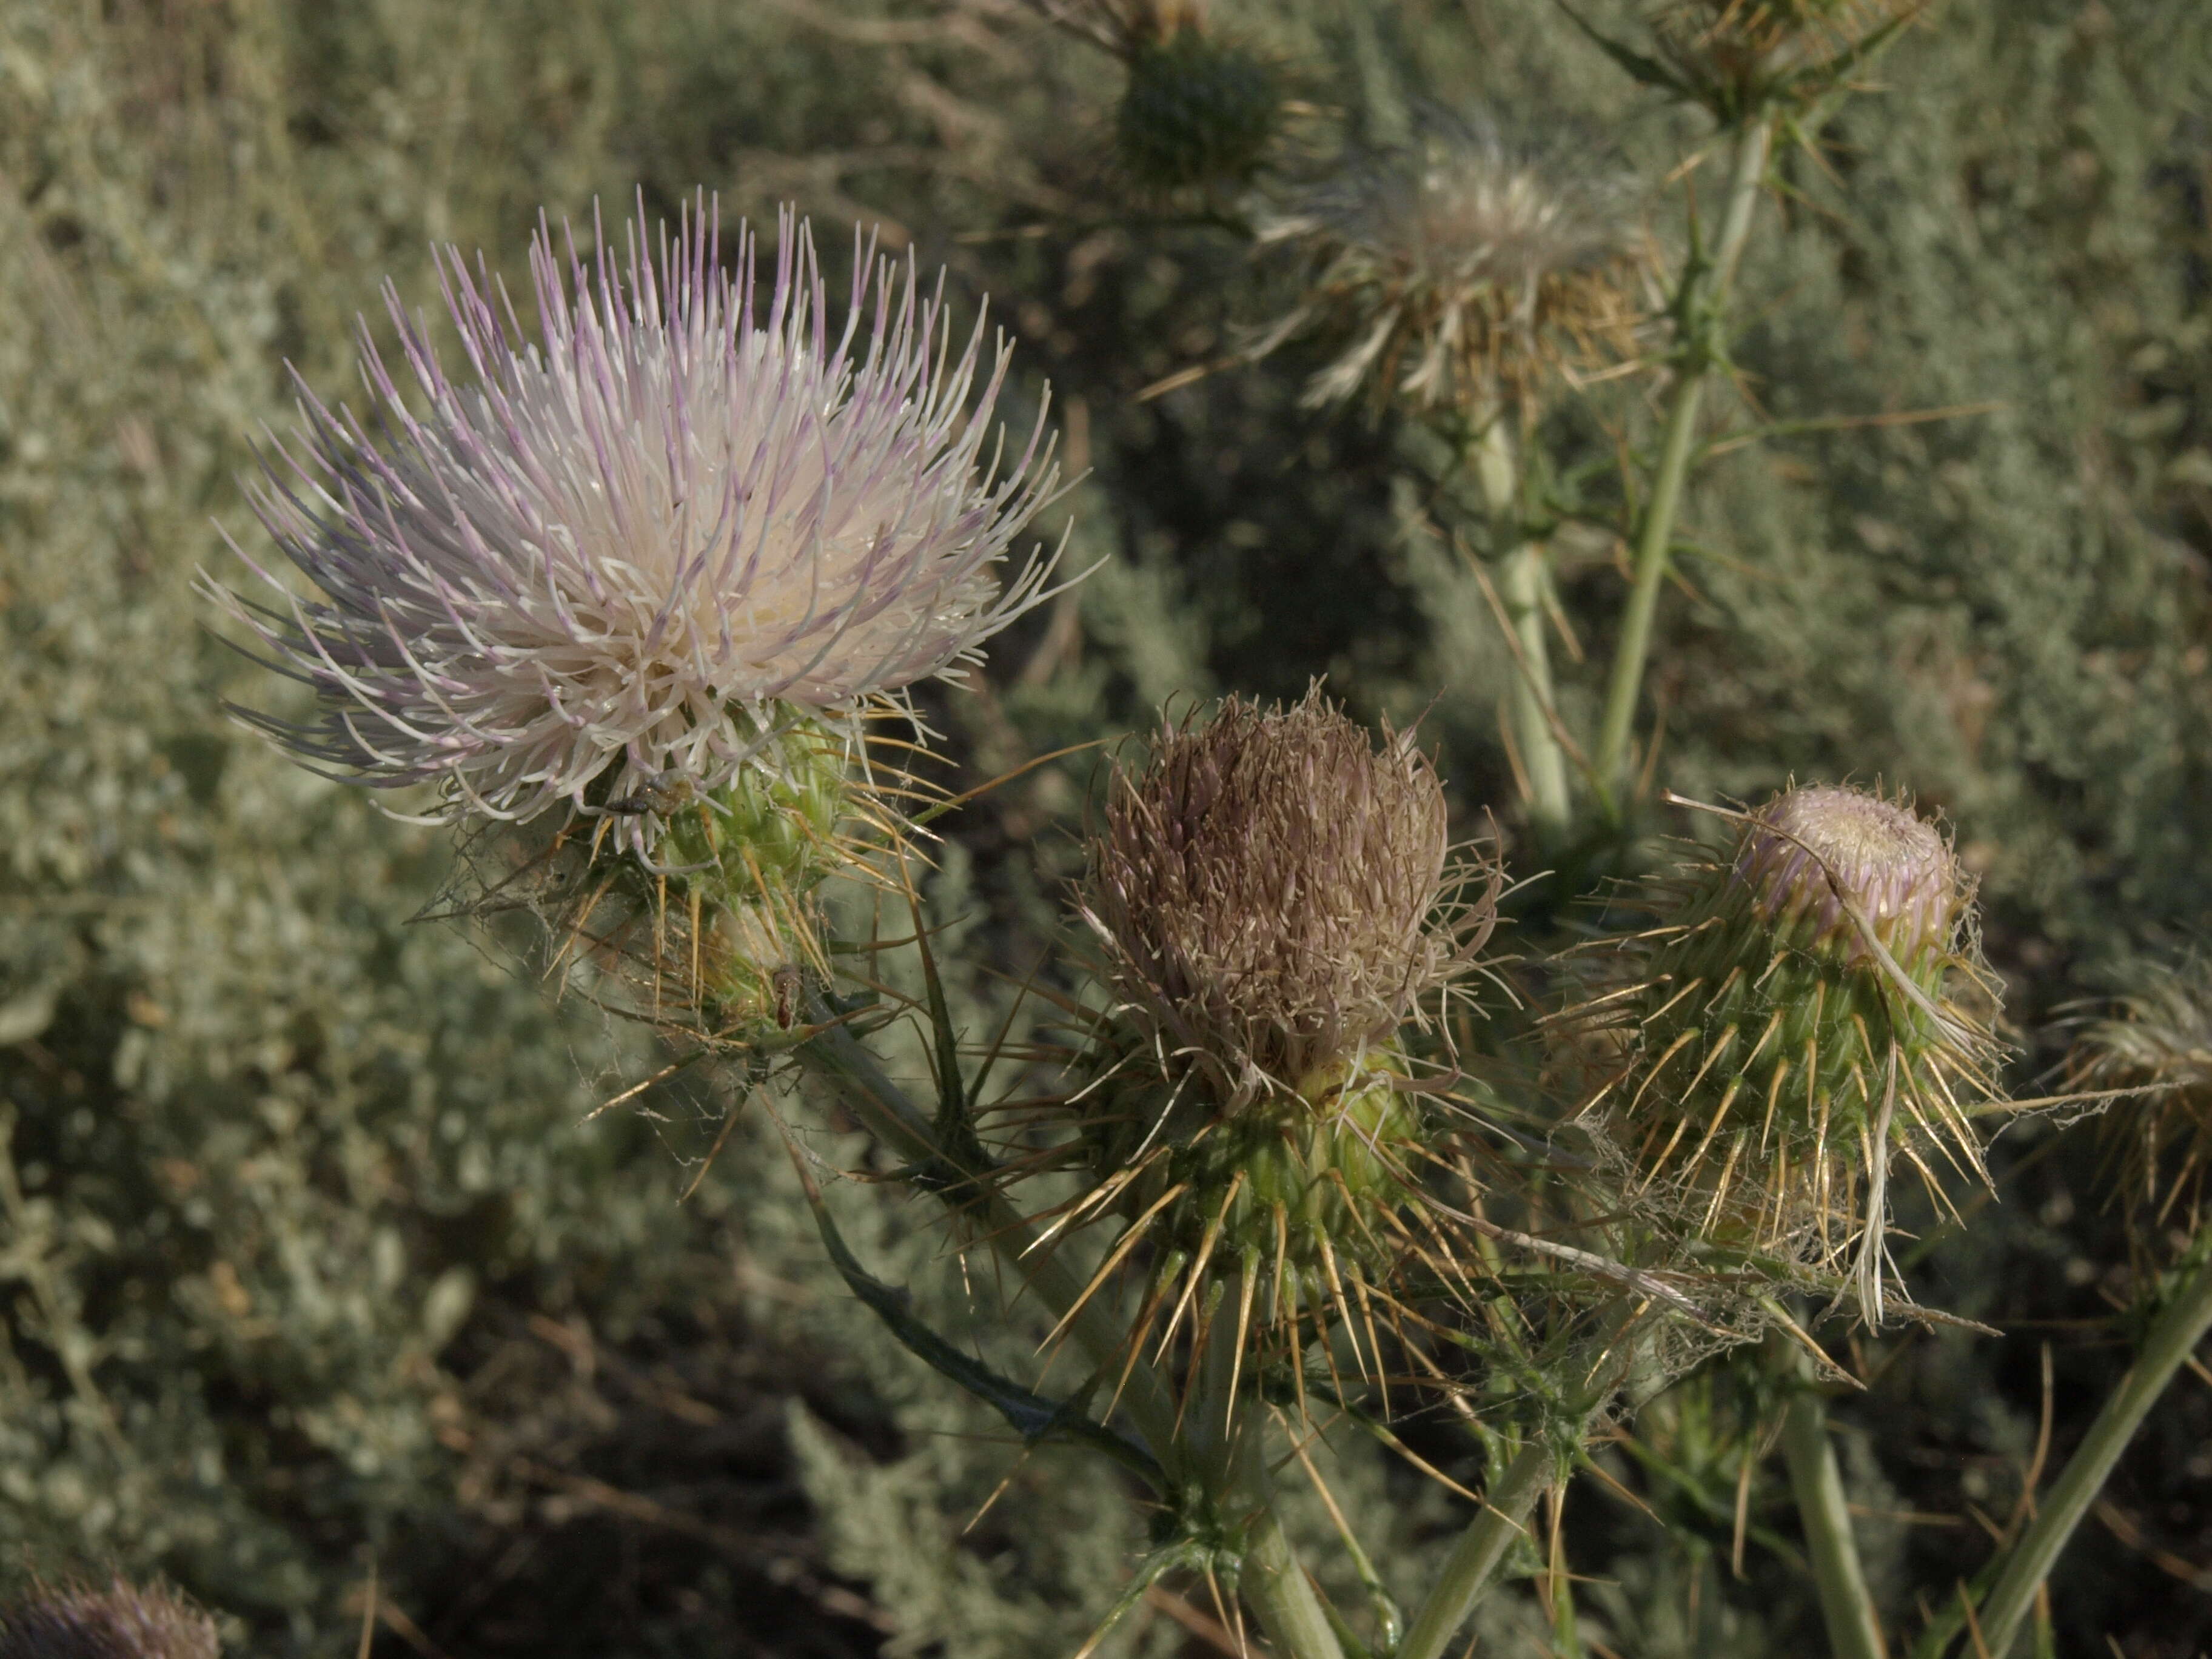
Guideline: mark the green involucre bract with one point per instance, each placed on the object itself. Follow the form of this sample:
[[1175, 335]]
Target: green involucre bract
[[1802, 1011]]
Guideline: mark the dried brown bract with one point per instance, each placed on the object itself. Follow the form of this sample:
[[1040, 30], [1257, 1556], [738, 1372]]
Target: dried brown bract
[[1735, 56]]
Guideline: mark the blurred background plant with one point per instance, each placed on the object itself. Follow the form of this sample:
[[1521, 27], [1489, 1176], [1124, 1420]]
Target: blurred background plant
[[310, 1264]]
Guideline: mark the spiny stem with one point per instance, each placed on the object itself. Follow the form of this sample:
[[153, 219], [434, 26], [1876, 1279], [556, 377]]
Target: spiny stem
[[1845, 1606], [837, 1057], [1700, 303], [1474, 1560], [2172, 1338]]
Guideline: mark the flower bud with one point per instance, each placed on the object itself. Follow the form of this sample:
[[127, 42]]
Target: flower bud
[[1197, 110], [1808, 1005]]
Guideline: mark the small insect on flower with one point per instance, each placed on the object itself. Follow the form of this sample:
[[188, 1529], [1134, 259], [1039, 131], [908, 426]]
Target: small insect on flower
[[1801, 1012], [647, 546], [1461, 269], [1276, 901]]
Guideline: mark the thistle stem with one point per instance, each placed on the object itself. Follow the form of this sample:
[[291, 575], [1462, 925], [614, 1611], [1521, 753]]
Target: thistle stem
[[837, 1057], [1271, 1577], [1474, 1559], [2172, 1338], [1845, 1606], [1699, 306], [1521, 590]]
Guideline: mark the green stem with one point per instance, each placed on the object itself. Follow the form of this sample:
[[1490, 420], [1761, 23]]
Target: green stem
[[1467, 1573], [1521, 590], [836, 1056], [1847, 1609], [2172, 1338], [1698, 304], [1270, 1576]]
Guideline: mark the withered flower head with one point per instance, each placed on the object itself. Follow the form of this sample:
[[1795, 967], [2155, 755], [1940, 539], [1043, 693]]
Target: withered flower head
[[1808, 1007], [1277, 901], [1461, 267], [2158, 1039], [1734, 56], [1267, 890], [120, 1622]]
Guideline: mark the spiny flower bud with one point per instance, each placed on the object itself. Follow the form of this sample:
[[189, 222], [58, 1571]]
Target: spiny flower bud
[[1807, 1007], [1461, 268], [1198, 110], [2158, 1041], [1275, 902], [120, 1622]]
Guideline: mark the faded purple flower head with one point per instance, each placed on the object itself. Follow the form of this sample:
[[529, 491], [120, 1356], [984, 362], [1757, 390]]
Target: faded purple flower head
[[120, 1622], [632, 552], [1809, 849]]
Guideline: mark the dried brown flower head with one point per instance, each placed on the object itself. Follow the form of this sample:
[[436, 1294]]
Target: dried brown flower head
[[120, 1622], [1734, 56], [1267, 890], [1460, 268], [1277, 902]]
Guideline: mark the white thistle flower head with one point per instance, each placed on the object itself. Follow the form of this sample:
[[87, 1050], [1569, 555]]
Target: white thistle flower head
[[633, 553], [1460, 266]]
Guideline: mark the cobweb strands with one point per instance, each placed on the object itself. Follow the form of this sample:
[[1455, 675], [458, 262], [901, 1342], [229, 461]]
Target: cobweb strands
[[617, 562]]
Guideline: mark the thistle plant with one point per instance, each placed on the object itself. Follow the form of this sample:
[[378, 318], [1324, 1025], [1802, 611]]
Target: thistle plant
[[639, 603], [1464, 270], [2154, 1043], [1201, 107], [1470, 275]]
